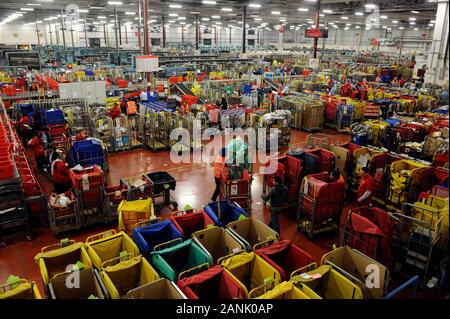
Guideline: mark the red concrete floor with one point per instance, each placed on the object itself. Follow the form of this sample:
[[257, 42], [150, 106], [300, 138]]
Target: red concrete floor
[[195, 185]]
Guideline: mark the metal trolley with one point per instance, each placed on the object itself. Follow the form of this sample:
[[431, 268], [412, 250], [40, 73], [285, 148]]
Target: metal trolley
[[421, 231]]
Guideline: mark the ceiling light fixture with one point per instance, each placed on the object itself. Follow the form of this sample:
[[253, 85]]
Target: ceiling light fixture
[[227, 9], [83, 10], [175, 6], [303, 9], [416, 12], [26, 9], [359, 14], [275, 12], [115, 3], [208, 2], [344, 18], [254, 5], [327, 11]]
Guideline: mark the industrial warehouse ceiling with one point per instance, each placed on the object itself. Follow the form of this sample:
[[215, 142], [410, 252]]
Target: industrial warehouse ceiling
[[408, 14]]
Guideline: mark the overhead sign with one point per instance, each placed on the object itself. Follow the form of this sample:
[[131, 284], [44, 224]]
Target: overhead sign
[[147, 63], [316, 33]]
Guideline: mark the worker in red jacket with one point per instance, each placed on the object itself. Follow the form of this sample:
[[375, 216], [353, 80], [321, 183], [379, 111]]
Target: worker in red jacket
[[365, 188], [23, 128], [37, 144], [115, 111], [60, 174]]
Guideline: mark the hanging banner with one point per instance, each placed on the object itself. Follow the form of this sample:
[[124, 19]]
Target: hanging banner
[[147, 63]]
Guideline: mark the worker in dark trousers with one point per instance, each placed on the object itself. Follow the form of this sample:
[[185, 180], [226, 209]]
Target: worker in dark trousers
[[278, 197], [219, 168], [37, 144]]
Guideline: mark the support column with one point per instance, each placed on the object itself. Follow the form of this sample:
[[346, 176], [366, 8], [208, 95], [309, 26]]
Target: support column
[[71, 36], [116, 30], [280, 38], [215, 35], [182, 34], [45, 34], [63, 29], [126, 34], [37, 34], [56, 33], [85, 32], [120, 33], [401, 45], [244, 29], [437, 64], [50, 33], [146, 39], [197, 31], [139, 35], [105, 36], [257, 36], [230, 35], [163, 19], [316, 23]]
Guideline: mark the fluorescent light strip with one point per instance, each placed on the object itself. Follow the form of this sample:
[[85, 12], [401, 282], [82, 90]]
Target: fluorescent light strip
[[175, 6], [208, 2], [254, 5]]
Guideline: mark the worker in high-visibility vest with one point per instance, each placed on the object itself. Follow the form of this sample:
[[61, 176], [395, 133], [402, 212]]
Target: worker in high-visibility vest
[[219, 169]]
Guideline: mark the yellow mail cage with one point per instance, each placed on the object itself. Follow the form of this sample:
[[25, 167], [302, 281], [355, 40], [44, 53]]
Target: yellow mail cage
[[19, 289], [127, 275], [107, 246], [287, 290], [134, 212], [250, 271], [329, 283], [60, 258]]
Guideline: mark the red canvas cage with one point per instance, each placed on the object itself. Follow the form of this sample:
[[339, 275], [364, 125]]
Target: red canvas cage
[[286, 257], [289, 169], [372, 231], [212, 284], [189, 222], [319, 201], [326, 158]]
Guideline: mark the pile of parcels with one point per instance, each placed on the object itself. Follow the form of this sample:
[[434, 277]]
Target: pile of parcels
[[307, 111]]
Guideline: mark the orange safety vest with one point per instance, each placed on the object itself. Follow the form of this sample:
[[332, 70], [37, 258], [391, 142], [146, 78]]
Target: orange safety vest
[[131, 108], [219, 167]]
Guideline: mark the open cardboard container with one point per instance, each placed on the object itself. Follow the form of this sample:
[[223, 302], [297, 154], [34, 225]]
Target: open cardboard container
[[340, 155], [217, 242], [158, 289], [89, 284], [357, 267], [251, 232]]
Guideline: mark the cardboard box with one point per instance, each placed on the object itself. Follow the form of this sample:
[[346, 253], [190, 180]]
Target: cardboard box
[[359, 266], [158, 289]]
